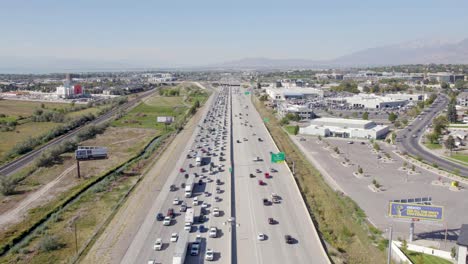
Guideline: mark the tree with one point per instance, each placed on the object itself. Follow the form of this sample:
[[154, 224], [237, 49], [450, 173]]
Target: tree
[[433, 137], [365, 116], [450, 144], [440, 123], [295, 130], [404, 245], [444, 85], [451, 113], [293, 117], [392, 117]]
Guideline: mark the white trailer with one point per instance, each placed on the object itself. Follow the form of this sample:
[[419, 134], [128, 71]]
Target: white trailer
[[189, 216], [181, 248], [189, 186]]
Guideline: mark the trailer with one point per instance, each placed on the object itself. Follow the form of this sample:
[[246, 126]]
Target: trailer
[[189, 186], [181, 248], [89, 153], [189, 216]]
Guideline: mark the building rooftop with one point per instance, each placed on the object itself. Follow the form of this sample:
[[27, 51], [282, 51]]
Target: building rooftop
[[343, 121]]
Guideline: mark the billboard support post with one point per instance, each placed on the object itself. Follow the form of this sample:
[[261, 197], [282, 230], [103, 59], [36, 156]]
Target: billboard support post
[[411, 231], [78, 168], [390, 237]]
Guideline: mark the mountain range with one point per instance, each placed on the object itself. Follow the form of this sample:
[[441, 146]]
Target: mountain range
[[414, 52]]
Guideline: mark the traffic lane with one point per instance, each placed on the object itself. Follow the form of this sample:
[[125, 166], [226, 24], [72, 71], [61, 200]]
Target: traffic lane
[[177, 225], [389, 175], [290, 212]]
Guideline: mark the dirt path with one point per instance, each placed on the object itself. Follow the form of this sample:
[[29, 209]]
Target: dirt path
[[113, 243], [16, 214]]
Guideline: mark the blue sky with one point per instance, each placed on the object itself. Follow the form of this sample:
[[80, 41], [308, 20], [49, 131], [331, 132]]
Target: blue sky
[[159, 33]]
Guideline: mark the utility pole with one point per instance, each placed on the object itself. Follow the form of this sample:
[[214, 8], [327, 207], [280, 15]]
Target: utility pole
[[390, 234], [76, 238]]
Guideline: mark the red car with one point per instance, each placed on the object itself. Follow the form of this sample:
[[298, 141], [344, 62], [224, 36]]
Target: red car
[[181, 170], [267, 175], [170, 212], [260, 182]]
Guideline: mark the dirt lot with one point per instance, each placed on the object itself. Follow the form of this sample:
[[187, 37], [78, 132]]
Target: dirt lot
[[46, 183]]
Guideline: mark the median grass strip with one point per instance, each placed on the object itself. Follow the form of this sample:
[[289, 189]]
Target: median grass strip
[[432, 146], [340, 221], [417, 257]]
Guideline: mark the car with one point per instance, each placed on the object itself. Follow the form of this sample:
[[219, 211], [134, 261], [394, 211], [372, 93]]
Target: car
[[258, 171], [302, 139], [252, 175], [238, 141], [217, 199], [167, 221], [271, 221], [213, 232], [204, 205], [209, 254], [187, 226], [174, 237], [181, 170], [267, 175], [157, 244], [260, 182], [350, 142], [183, 207], [257, 159], [159, 216], [261, 237], [176, 201], [363, 143], [195, 201], [259, 139], [265, 201], [218, 190], [172, 188], [195, 249], [218, 181], [245, 139], [414, 136], [272, 170], [207, 193], [288, 239], [151, 261], [216, 211], [170, 212], [200, 182]]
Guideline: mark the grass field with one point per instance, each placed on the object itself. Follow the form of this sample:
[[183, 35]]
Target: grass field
[[289, 129], [340, 221], [91, 110], [460, 157], [25, 108], [416, 257], [432, 146], [24, 131]]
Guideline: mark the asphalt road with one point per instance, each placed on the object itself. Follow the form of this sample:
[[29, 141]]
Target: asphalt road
[[411, 135], [290, 215], [141, 248], [24, 160]]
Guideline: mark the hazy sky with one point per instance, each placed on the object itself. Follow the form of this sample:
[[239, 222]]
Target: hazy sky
[[199, 32]]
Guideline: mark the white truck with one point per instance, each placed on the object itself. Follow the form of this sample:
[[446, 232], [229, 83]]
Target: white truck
[[199, 160], [189, 215], [181, 249], [189, 186]]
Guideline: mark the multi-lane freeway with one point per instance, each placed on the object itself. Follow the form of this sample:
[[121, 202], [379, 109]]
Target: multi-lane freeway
[[410, 137], [234, 195], [24, 160]]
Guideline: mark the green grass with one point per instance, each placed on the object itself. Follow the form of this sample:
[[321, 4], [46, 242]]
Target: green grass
[[458, 126], [460, 157], [25, 108], [427, 259], [21, 133], [433, 145], [290, 129], [91, 110]]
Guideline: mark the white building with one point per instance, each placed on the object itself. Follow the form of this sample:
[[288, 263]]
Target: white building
[[372, 101], [282, 94], [303, 111], [462, 99], [345, 128]]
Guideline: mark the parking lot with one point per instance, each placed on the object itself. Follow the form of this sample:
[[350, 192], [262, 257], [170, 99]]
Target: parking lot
[[386, 168]]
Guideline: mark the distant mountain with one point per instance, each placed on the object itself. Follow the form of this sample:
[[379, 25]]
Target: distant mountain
[[409, 53], [414, 52]]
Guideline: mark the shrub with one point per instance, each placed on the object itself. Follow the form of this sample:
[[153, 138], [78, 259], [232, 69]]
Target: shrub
[[7, 185], [50, 243], [360, 170]]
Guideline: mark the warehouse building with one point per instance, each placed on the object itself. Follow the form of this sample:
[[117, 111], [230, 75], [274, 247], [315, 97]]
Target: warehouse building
[[303, 111], [345, 128], [282, 94]]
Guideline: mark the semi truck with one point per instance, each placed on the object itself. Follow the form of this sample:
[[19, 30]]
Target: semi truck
[[189, 186], [88, 153], [181, 248]]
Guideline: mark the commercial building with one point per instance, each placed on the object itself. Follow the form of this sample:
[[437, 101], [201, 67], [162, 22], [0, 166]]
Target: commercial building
[[344, 128], [445, 77], [462, 99], [372, 101], [68, 90], [281, 94], [303, 111]]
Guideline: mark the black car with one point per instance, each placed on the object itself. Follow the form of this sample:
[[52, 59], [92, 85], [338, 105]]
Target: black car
[[159, 217], [288, 239]]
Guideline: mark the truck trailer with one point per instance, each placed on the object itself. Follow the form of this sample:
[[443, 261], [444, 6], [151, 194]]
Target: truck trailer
[[189, 186], [181, 248]]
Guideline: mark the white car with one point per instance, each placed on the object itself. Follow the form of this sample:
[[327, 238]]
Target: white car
[[174, 237], [209, 254], [216, 211], [204, 205], [176, 201], [188, 226], [167, 221], [195, 201], [261, 237], [158, 244], [213, 231], [151, 261]]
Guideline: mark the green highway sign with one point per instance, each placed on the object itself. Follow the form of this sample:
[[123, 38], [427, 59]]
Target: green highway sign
[[277, 157], [230, 170], [266, 119], [246, 93]]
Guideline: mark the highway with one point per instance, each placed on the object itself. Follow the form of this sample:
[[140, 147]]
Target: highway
[[242, 213], [24, 160], [290, 216], [217, 144], [409, 138]]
